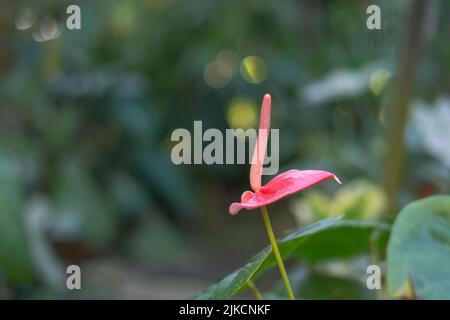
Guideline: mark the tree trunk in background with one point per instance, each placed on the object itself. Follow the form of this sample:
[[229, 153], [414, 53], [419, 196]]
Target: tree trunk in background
[[398, 109]]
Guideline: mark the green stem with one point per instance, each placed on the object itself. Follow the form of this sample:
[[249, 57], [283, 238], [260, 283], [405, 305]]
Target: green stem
[[398, 110], [276, 252], [255, 290]]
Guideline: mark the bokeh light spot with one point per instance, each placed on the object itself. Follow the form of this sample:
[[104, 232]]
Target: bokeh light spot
[[253, 69], [48, 30], [378, 80], [25, 19], [241, 113], [123, 18]]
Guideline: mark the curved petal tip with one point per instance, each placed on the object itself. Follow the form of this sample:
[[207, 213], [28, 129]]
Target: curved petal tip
[[235, 208], [337, 179]]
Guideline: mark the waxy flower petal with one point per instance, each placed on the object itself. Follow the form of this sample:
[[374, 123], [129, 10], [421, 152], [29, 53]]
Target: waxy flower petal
[[283, 185]]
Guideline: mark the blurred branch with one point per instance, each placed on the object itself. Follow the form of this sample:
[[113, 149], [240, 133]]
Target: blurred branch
[[397, 112]]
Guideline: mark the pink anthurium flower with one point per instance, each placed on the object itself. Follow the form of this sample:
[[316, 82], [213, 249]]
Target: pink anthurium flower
[[284, 184], [279, 187]]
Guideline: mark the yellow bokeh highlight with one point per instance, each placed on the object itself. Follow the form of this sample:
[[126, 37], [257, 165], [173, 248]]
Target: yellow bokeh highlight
[[253, 69], [378, 80], [123, 21], [241, 113]]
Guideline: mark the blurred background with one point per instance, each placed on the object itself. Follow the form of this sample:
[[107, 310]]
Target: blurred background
[[86, 117]]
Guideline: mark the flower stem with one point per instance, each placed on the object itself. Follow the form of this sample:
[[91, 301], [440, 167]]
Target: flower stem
[[276, 252], [255, 290]]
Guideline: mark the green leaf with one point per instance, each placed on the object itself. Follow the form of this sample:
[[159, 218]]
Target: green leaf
[[15, 258], [345, 239], [418, 256], [235, 281], [295, 241]]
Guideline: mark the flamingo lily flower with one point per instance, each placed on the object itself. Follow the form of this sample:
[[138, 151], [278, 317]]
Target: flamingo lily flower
[[279, 187], [284, 184]]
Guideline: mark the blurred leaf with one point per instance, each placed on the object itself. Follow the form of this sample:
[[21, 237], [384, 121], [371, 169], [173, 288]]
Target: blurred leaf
[[137, 120], [338, 84], [61, 127], [356, 199], [129, 194], [235, 281], [418, 257], [47, 265], [14, 251], [168, 181], [429, 129], [78, 197], [344, 239], [323, 286]]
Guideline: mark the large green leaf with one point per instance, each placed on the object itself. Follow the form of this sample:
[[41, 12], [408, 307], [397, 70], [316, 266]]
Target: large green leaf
[[419, 250], [294, 241], [235, 281], [14, 252], [345, 239]]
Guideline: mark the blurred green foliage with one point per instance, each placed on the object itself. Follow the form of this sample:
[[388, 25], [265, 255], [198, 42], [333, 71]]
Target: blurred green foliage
[[14, 250], [85, 123], [323, 240]]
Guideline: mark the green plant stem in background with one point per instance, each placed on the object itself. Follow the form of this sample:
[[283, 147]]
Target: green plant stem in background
[[276, 252], [397, 113], [255, 290]]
